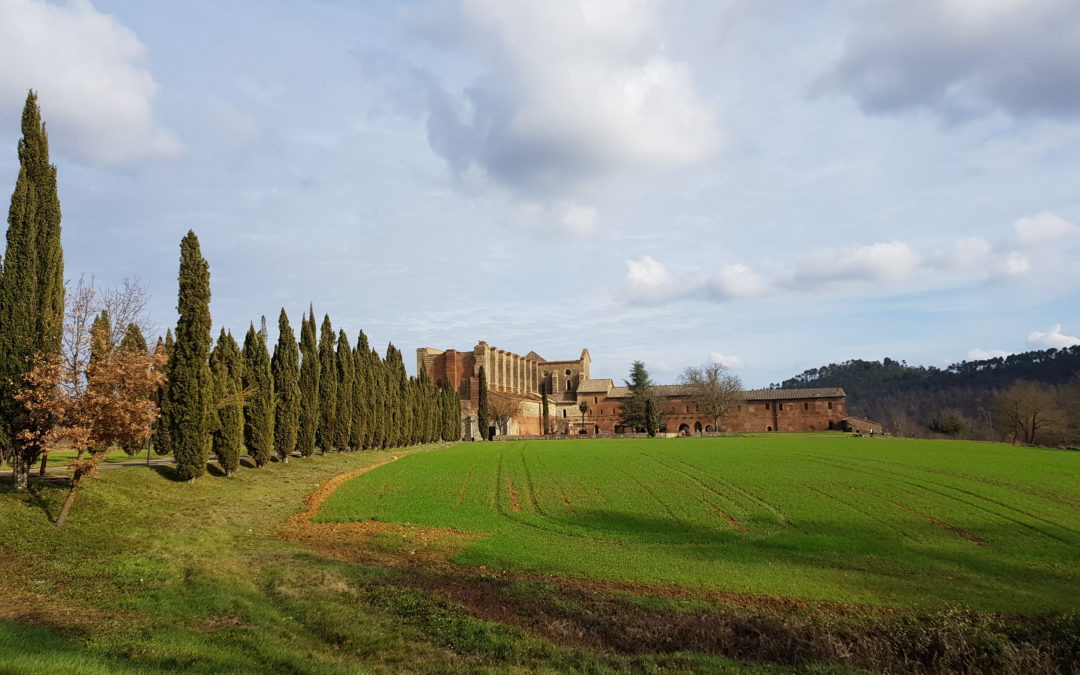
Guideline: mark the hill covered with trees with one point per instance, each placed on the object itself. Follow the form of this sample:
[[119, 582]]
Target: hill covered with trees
[[959, 400]]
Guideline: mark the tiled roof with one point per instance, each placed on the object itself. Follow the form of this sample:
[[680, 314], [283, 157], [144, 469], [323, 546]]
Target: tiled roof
[[595, 386], [787, 394], [751, 395]]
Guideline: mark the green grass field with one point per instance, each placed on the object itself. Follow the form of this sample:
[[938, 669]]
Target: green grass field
[[819, 517]]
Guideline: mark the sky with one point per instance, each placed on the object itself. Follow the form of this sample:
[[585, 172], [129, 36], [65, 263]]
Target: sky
[[770, 184]]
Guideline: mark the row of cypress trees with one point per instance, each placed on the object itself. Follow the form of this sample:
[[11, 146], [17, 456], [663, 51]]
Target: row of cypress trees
[[321, 393]]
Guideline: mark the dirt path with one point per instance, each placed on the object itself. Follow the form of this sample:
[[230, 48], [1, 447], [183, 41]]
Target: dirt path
[[314, 501]]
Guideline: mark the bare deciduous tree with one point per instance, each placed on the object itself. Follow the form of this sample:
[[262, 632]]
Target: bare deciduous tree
[[126, 304], [1028, 412], [82, 307], [713, 389], [502, 409]]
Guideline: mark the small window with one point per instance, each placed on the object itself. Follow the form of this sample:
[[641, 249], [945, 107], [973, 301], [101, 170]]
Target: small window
[[781, 407], [568, 372], [767, 407], [805, 406], [830, 405], [564, 412], [595, 399]]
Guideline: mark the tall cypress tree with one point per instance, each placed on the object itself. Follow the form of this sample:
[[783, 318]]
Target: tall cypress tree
[[227, 436], [31, 284], [398, 418], [343, 423], [286, 370], [482, 406], [545, 415], [309, 387], [187, 405], [359, 434], [258, 382], [325, 435], [99, 346], [133, 339], [162, 439]]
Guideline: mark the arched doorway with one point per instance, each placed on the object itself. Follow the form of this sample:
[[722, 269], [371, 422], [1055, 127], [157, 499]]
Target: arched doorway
[[768, 429], [697, 427], [708, 428], [684, 429]]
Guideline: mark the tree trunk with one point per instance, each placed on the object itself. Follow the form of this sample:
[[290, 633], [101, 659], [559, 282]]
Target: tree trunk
[[20, 472], [44, 462], [67, 505]]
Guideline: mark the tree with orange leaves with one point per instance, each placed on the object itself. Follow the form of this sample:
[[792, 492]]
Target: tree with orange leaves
[[115, 407]]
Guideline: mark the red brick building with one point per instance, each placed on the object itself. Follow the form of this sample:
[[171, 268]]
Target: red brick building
[[521, 379]]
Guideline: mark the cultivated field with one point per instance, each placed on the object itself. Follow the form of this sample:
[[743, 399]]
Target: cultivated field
[[819, 517]]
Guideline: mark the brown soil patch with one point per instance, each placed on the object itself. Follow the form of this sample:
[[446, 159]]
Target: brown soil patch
[[962, 533], [314, 501], [515, 505]]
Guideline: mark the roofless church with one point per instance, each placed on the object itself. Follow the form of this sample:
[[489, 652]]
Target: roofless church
[[521, 379]]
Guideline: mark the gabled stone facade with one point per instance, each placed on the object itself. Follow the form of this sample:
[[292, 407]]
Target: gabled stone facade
[[567, 384]]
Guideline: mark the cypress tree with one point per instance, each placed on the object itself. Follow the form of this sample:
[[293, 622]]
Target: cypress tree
[[227, 436], [343, 423], [286, 370], [359, 434], [544, 408], [328, 377], [453, 424], [187, 405], [398, 418], [100, 330], [482, 407], [379, 403], [31, 284], [258, 383], [162, 439], [133, 339], [134, 342], [309, 387]]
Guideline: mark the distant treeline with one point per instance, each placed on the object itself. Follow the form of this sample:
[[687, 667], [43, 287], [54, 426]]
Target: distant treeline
[[920, 400]]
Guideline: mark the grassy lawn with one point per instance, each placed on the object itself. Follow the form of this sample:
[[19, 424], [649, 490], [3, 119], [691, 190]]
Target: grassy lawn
[[819, 517], [218, 576], [154, 575]]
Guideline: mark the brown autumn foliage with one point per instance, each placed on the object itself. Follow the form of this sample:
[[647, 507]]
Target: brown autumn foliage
[[115, 407]]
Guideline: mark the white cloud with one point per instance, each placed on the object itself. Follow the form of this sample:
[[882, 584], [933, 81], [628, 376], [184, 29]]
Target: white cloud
[[977, 354], [882, 262], [1043, 228], [648, 282], [1015, 265], [968, 252], [726, 360], [94, 91], [963, 57], [1052, 339], [573, 90]]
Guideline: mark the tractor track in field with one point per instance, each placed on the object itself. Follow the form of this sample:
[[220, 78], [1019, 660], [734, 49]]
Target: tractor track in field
[[648, 490], [515, 505], [530, 484], [746, 494], [1010, 507], [977, 479], [557, 484], [465, 483], [911, 481], [887, 524], [716, 509], [725, 515]]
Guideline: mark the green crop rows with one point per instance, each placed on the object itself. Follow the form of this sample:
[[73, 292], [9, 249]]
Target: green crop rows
[[813, 516]]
